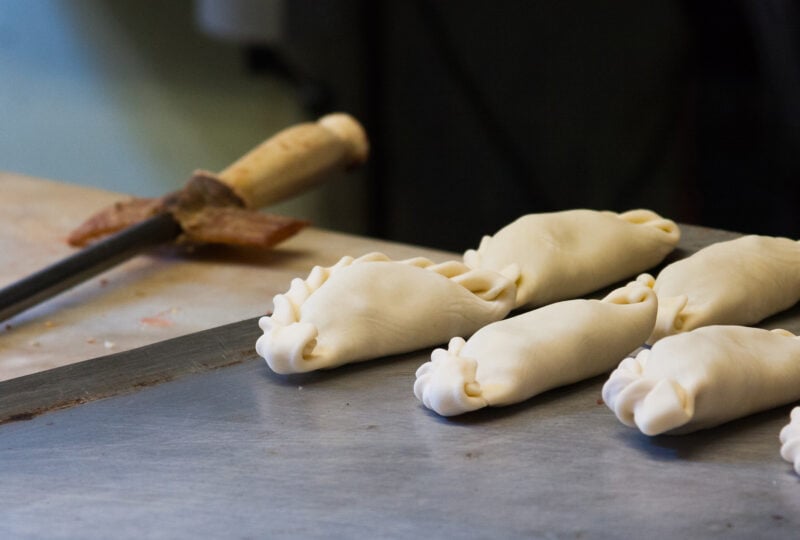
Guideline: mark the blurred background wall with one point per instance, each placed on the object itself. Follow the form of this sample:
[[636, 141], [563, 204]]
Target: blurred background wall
[[132, 96], [477, 111]]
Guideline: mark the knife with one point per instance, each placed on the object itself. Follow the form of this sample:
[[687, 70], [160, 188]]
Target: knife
[[284, 165]]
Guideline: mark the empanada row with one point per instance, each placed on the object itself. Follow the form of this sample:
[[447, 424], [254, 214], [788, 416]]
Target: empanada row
[[705, 366], [372, 306]]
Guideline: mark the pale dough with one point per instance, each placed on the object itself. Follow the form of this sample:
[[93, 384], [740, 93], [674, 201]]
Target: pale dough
[[512, 360], [373, 306], [741, 281], [563, 255], [790, 440], [704, 378]]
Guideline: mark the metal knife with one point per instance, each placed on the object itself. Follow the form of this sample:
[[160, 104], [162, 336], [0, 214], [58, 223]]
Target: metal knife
[[284, 165]]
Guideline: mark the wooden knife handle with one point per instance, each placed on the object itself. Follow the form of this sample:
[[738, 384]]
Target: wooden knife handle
[[296, 159]]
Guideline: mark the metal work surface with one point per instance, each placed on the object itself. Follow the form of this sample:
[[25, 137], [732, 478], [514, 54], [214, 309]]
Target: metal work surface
[[241, 453], [227, 449]]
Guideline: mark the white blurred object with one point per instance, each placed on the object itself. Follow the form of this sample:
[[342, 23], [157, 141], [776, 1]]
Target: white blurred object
[[244, 21], [790, 440]]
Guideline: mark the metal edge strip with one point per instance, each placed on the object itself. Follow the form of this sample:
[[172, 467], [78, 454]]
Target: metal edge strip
[[26, 397]]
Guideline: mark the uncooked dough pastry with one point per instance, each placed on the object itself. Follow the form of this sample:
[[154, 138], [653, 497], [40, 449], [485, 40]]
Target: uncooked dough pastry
[[704, 378], [512, 360], [739, 281], [373, 306], [790, 440], [563, 255]]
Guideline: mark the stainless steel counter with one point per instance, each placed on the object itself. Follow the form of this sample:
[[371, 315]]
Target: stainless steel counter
[[239, 452]]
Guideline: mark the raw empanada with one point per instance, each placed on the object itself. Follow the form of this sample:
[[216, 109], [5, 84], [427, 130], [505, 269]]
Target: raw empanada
[[739, 281], [562, 255], [372, 306], [790, 440], [512, 360], [704, 378]]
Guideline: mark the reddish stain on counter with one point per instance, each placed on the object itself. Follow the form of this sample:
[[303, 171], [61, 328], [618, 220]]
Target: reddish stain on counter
[[159, 319], [156, 321]]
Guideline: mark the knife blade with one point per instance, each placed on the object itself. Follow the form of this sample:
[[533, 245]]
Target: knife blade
[[284, 165]]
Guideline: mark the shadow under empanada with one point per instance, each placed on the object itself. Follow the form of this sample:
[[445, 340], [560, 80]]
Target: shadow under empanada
[[403, 364], [788, 320], [744, 439], [571, 399]]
